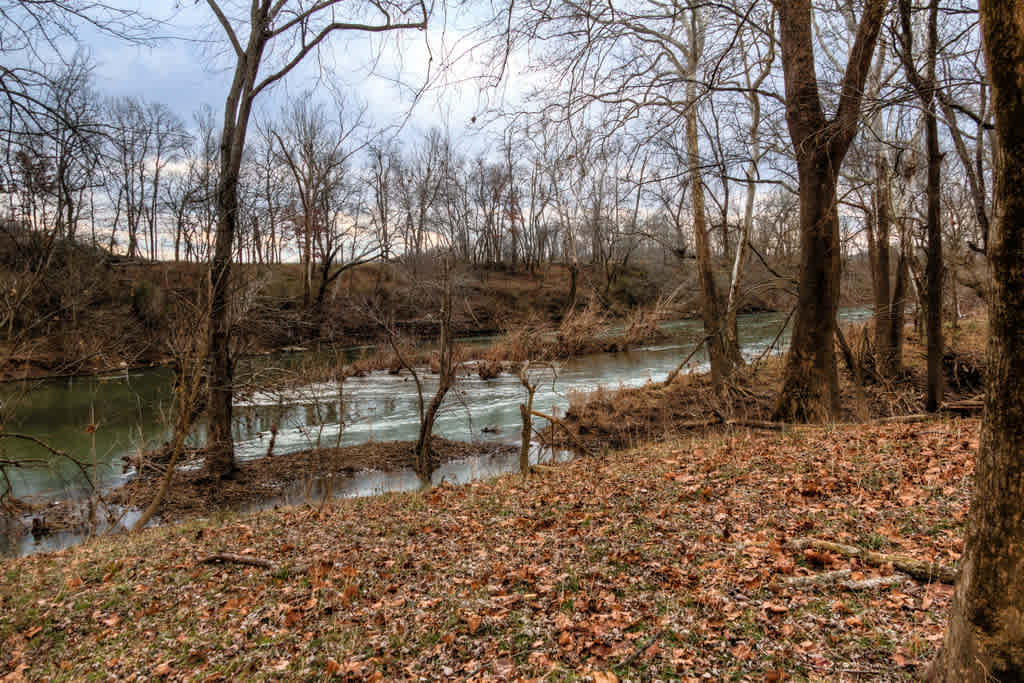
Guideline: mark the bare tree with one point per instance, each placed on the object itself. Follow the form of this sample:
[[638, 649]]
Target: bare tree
[[35, 35], [316, 150], [143, 138], [291, 31], [924, 88], [810, 390]]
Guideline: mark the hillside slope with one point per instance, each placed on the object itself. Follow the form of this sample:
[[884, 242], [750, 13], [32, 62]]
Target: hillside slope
[[671, 561]]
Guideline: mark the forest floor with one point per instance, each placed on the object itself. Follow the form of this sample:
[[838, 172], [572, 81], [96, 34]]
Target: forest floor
[[676, 560]]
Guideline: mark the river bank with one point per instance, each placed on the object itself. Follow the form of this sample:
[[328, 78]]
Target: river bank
[[305, 476], [118, 314], [675, 560]]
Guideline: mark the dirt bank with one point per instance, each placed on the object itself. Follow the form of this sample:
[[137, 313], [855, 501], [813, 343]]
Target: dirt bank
[[96, 312]]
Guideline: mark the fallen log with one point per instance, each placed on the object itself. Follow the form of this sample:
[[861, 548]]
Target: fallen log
[[918, 569], [877, 582], [842, 579], [759, 424], [967, 407], [906, 419]]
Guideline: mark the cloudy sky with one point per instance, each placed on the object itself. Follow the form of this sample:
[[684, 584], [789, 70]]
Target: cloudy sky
[[190, 68]]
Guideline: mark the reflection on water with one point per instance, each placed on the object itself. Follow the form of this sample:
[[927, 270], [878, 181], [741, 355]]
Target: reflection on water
[[130, 411]]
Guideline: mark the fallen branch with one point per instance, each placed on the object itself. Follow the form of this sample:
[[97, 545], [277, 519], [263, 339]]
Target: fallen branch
[[699, 424], [232, 558], [675, 373], [842, 578], [823, 579], [918, 569]]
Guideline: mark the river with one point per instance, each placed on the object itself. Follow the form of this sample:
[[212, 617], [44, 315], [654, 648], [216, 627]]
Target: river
[[130, 411]]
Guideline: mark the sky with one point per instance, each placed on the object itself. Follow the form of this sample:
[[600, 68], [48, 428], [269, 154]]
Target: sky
[[190, 68]]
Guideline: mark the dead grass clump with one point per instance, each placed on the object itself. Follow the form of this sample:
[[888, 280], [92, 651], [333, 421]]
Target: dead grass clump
[[489, 368], [632, 415], [642, 326], [579, 332]]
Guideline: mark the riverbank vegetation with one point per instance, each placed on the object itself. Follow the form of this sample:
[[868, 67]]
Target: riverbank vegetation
[[691, 402]]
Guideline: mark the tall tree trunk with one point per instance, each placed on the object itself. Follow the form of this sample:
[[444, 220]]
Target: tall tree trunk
[[933, 266], [220, 457], [713, 322], [754, 81], [924, 87], [985, 635], [883, 300], [220, 460], [810, 389]]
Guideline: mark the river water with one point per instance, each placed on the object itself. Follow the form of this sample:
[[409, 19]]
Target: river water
[[130, 411]]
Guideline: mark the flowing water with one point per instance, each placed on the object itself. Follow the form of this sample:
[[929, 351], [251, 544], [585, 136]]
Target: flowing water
[[100, 420]]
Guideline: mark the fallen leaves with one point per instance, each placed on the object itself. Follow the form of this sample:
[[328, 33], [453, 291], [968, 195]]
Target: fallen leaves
[[573, 572], [163, 669]]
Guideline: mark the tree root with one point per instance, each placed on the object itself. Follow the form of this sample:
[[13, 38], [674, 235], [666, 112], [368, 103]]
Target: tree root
[[918, 569]]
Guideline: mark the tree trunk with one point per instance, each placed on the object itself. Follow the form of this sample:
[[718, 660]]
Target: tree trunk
[[933, 266], [899, 301], [985, 635], [220, 457], [573, 270], [883, 300], [810, 391], [713, 323], [924, 87], [446, 379]]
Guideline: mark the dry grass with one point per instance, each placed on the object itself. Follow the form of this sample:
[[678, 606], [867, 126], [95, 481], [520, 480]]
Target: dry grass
[[626, 416]]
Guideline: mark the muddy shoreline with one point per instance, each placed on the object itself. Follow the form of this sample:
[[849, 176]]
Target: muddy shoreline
[[256, 483]]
